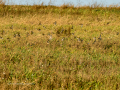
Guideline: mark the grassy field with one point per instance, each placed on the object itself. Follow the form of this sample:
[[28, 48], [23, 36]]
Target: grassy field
[[57, 48]]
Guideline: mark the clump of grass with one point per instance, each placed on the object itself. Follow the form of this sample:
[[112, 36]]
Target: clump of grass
[[60, 31]]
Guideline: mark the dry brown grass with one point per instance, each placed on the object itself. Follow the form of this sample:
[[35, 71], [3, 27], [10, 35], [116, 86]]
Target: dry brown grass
[[29, 62]]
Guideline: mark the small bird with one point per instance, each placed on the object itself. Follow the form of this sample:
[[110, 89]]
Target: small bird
[[39, 29], [63, 39], [2, 32], [18, 34], [24, 28], [94, 40], [72, 27], [11, 27], [55, 23], [62, 30], [75, 37], [44, 26], [14, 35], [78, 38], [81, 25], [1, 37], [72, 33], [43, 34], [50, 38], [100, 37], [47, 41], [32, 32], [108, 23], [39, 23], [117, 33], [27, 34]]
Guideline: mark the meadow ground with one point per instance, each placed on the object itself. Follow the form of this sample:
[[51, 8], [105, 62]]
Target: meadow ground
[[57, 48]]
